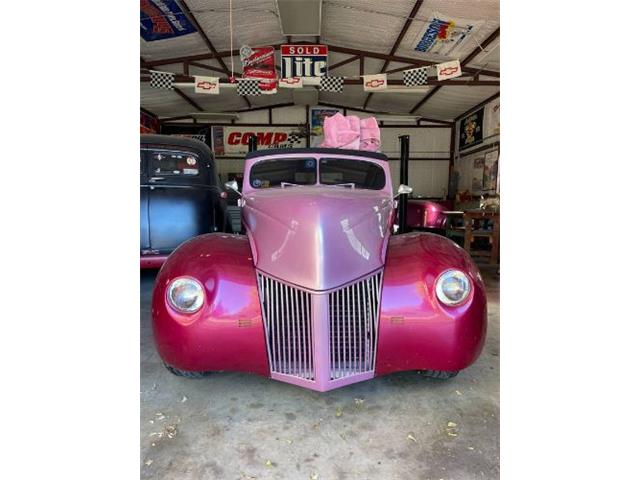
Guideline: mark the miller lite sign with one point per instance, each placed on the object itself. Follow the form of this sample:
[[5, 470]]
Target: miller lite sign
[[304, 61]]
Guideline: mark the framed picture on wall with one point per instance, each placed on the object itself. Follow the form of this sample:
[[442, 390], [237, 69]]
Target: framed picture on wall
[[490, 176], [477, 175], [471, 129]]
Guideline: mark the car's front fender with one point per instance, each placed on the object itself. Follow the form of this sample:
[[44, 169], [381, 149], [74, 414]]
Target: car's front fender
[[227, 332], [416, 331]]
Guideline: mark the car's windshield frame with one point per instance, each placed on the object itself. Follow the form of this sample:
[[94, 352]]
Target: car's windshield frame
[[251, 183]]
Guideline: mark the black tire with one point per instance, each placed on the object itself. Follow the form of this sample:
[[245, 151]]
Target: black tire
[[438, 374], [186, 374]]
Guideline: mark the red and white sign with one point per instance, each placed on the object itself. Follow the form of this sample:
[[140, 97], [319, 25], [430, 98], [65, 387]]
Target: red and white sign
[[304, 61], [210, 85], [260, 63], [292, 82], [448, 70], [372, 83], [236, 139]]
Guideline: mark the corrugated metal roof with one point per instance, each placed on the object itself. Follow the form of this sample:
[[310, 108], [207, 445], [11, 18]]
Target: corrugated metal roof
[[371, 25]]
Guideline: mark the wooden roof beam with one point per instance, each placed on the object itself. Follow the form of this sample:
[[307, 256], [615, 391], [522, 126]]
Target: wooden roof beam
[[396, 44]]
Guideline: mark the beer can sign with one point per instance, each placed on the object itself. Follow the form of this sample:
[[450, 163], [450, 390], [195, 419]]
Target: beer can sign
[[304, 61]]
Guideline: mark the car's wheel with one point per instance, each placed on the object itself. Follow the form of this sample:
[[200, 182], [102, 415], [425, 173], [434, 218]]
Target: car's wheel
[[438, 374], [186, 374]]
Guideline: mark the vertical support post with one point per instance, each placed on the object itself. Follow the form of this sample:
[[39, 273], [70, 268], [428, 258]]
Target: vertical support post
[[404, 178], [253, 143]]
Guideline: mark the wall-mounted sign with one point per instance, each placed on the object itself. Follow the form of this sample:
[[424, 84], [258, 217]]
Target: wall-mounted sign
[[259, 63], [304, 61], [148, 124], [471, 129], [492, 118], [160, 19], [236, 139]]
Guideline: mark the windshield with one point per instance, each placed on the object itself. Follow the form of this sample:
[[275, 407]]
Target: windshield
[[343, 171], [304, 171], [273, 173]]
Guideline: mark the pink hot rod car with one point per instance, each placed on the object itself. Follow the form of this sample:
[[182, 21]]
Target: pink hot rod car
[[319, 293]]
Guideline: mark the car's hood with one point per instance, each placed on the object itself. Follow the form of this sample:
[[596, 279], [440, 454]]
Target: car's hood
[[318, 237]]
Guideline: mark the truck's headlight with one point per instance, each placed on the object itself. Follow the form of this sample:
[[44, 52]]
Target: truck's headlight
[[453, 287], [186, 295]]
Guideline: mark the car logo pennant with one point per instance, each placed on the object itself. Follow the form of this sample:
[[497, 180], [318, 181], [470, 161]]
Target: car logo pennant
[[373, 83], [209, 85], [448, 70]]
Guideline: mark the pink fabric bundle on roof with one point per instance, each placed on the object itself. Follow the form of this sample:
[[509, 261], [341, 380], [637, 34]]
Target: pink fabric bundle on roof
[[369, 135], [351, 133]]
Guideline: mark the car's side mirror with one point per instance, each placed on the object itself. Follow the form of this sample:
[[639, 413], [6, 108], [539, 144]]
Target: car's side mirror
[[403, 190], [233, 185]]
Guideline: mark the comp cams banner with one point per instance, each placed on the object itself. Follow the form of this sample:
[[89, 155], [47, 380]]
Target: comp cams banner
[[236, 139]]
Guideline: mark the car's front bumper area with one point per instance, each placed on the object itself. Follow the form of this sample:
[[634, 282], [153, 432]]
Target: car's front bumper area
[[384, 322]]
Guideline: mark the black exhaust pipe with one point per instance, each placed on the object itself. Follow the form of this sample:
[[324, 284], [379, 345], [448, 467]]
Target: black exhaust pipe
[[253, 143], [404, 179]]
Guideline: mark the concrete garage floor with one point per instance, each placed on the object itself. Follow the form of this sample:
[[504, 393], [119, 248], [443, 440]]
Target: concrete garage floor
[[240, 426]]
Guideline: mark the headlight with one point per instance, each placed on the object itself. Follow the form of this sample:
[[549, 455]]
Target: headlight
[[185, 295], [453, 287]]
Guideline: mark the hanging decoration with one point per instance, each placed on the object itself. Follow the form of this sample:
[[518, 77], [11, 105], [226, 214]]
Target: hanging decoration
[[331, 84], [160, 19], [209, 85], [415, 76], [304, 61], [443, 35], [260, 63], [448, 70], [161, 79], [291, 82], [249, 86], [373, 83]]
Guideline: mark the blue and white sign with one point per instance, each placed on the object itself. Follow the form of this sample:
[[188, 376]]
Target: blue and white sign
[[160, 19], [304, 61]]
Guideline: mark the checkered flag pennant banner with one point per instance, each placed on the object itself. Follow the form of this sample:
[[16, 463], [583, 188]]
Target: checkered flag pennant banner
[[331, 84], [415, 76], [161, 80], [293, 139], [249, 86]]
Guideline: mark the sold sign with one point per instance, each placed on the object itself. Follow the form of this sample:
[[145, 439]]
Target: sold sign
[[304, 61]]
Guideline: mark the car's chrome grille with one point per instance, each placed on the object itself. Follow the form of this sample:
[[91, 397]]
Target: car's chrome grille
[[353, 324], [287, 319]]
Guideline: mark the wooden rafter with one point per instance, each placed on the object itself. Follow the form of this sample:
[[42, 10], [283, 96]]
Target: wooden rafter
[[475, 107], [464, 62], [149, 112], [344, 62], [364, 110], [206, 40], [188, 99], [396, 44]]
